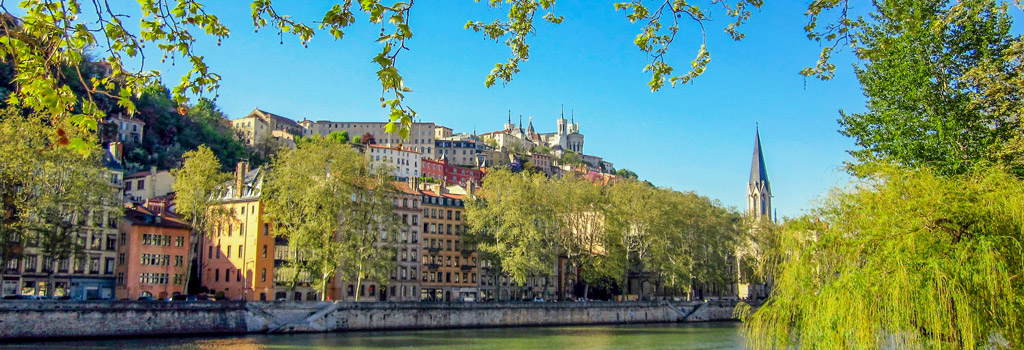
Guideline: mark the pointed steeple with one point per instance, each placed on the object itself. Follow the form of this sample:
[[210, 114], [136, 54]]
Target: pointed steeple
[[563, 112], [759, 190], [510, 116], [758, 173]]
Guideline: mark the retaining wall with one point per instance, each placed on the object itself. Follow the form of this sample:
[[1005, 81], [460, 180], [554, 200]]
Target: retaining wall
[[24, 320]]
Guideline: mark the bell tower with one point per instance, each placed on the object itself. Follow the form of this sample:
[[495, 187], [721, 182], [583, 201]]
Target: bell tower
[[759, 190]]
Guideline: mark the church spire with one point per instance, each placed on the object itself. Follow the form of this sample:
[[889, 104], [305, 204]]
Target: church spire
[[759, 190], [758, 173]]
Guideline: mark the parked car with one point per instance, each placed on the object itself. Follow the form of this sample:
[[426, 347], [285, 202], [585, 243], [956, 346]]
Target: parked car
[[25, 297], [538, 300], [147, 298]]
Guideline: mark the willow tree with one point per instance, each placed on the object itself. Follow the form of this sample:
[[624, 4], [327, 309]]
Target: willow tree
[[198, 186], [903, 259], [513, 218]]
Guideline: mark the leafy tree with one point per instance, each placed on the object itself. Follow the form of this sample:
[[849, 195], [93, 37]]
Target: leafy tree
[[16, 159], [582, 238], [197, 186], [65, 190], [367, 139], [332, 210], [51, 35], [926, 106], [512, 219], [627, 174], [903, 259], [339, 136], [370, 234]]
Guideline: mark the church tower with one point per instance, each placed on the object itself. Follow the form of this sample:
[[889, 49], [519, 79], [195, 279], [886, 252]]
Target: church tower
[[759, 190]]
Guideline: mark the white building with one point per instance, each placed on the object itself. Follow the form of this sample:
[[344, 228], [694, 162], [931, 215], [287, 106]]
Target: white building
[[405, 162], [144, 185]]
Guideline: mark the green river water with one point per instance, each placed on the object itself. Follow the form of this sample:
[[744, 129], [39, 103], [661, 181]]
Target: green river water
[[725, 336]]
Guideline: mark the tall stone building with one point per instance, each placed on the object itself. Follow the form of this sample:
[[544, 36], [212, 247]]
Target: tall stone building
[[759, 190]]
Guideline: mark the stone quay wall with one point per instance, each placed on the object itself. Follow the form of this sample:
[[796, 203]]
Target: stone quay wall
[[28, 320]]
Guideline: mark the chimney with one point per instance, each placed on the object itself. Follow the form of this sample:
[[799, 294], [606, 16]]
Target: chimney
[[116, 150], [240, 171]]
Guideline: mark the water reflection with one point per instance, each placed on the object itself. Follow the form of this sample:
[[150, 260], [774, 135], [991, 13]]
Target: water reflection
[[704, 336]]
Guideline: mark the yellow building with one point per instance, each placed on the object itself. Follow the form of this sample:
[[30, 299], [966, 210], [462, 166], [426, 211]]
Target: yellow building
[[238, 257]]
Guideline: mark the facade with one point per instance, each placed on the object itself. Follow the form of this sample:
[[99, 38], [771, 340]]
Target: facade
[[421, 137], [517, 139], [152, 254], [260, 126], [449, 266], [238, 259], [405, 162], [457, 152], [449, 174], [88, 275], [405, 282], [145, 185], [128, 129], [441, 132], [542, 162]]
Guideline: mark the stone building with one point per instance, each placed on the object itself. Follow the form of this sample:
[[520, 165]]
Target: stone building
[[128, 129], [145, 185], [152, 254], [261, 126], [421, 136], [449, 174]]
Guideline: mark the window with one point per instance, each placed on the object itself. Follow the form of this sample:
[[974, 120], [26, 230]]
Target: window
[[179, 241], [228, 254], [263, 275], [239, 250], [264, 250], [209, 252], [179, 260], [142, 184], [266, 229], [239, 275], [218, 251], [111, 243], [109, 268], [120, 259], [94, 264], [123, 238], [216, 275]]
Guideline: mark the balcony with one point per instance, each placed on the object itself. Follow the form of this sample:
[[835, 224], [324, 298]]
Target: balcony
[[433, 266], [468, 267], [467, 252], [434, 250]]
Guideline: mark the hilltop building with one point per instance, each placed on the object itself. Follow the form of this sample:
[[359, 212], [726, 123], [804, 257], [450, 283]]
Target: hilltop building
[[261, 126]]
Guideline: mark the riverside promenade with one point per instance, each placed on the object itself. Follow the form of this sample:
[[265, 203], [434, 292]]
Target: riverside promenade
[[31, 320]]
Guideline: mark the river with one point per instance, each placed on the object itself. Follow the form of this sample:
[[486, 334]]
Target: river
[[704, 336]]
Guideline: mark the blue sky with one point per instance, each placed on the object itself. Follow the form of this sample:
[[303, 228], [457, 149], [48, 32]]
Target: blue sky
[[695, 137]]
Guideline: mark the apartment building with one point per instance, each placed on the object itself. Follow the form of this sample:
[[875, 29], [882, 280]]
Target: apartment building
[[152, 254], [449, 266]]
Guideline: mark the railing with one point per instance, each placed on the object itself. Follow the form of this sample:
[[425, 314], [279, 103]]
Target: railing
[[468, 267], [433, 266]]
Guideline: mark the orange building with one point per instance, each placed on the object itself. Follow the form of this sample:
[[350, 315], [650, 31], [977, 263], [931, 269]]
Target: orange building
[[238, 257], [152, 254]]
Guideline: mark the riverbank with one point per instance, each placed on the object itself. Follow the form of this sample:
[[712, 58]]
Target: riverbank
[[28, 320]]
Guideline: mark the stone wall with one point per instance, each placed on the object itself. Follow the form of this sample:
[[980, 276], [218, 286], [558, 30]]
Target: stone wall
[[22, 320]]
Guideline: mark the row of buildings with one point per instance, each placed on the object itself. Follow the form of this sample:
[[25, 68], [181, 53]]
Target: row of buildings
[[437, 152], [139, 248]]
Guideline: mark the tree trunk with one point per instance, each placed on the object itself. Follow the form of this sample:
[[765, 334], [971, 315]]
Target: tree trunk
[[323, 286], [51, 278], [194, 254], [586, 290], [359, 284]]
